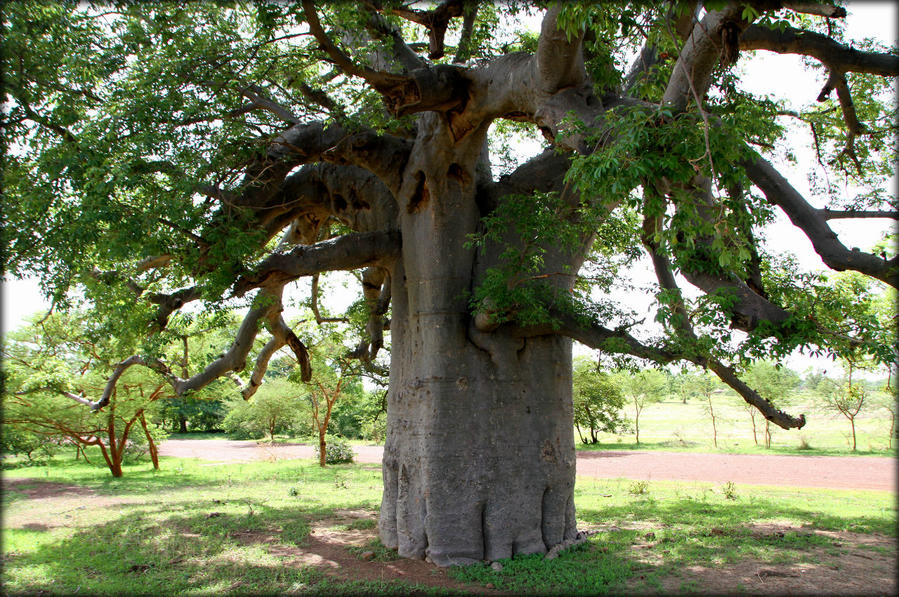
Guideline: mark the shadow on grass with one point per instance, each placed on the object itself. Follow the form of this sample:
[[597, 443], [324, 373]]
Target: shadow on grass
[[646, 540], [206, 546]]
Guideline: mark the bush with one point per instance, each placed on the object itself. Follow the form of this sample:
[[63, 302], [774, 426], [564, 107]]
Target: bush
[[240, 422], [138, 449], [337, 450], [15, 440]]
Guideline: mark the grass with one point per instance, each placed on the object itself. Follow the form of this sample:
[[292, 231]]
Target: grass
[[673, 426], [192, 528], [686, 524]]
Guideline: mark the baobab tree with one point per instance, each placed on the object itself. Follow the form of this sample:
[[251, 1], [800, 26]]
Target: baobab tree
[[168, 155]]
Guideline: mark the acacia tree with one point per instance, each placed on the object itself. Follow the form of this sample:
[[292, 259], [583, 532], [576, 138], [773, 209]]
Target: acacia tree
[[705, 385], [597, 399], [51, 369], [643, 388], [167, 154], [776, 383]]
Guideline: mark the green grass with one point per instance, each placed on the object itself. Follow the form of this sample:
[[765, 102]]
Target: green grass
[[686, 524], [192, 528], [673, 426]]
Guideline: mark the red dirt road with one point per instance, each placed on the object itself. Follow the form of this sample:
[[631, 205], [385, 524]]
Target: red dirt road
[[839, 472]]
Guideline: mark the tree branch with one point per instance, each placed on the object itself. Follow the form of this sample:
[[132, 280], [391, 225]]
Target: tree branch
[[350, 251], [559, 61], [833, 54], [716, 33], [379, 26], [435, 21], [811, 221], [821, 9], [831, 214]]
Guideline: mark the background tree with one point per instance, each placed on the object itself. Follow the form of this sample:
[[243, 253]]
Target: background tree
[[52, 368], [846, 398], [706, 385], [775, 384], [681, 385], [887, 400], [333, 373], [278, 407], [598, 401], [643, 388], [167, 155]]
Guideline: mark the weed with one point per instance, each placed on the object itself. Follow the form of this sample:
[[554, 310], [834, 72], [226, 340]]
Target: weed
[[638, 488], [729, 490], [374, 550], [804, 444]]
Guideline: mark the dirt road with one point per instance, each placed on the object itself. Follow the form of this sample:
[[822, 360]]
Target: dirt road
[[840, 472]]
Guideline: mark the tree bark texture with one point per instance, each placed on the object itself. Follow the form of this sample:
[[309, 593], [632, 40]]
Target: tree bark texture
[[479, 455]]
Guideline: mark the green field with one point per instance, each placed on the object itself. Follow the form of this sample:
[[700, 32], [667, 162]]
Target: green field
[[196, 529], [672, 425]]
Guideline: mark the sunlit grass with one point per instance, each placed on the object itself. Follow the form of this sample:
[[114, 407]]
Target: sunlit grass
[[673, 426], [194, 529]]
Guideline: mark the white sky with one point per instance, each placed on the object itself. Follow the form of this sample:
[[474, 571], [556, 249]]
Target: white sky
[[780, 75]]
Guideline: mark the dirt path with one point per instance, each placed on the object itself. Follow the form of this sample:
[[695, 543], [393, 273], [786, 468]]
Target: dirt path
[[839, 472]]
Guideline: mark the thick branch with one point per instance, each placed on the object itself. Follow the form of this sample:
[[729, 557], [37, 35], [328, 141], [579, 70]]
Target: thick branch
[[835, 55], [831, 214], [377, 79], [384, 156], [821, 9], [559, 60], [811, 221], [716, 33], [402, 52], [649, 55], [346, 252], [169, 303], [436, 22], [256, 94], [463, 51], [776, 416]]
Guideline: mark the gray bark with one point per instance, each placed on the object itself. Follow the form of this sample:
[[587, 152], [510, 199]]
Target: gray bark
[[479, 456]]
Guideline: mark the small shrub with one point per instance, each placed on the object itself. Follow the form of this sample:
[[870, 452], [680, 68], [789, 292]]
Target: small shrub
[[803, 443], [729, 490], [638, 488], [337, 450]]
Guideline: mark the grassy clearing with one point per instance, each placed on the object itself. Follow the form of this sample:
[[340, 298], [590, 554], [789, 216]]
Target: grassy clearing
[[197, 529], [657, 530], [674, 426]]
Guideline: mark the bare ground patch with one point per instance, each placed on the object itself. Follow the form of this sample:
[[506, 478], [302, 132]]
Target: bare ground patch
[[52, 504], [330, 549], [854, 564]]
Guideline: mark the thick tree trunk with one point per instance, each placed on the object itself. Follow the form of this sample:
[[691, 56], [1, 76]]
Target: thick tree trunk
[[479, 459]]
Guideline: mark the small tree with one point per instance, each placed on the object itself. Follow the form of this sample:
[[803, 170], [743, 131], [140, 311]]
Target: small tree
[[598, 401], [847, 397], [274, 408], [681, 385], [775, 384], [706, 385], [643, 388], [324, 390], [51, 367], [887, 400]]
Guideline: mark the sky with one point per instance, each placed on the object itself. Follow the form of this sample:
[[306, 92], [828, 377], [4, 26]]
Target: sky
[[780, 75]]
